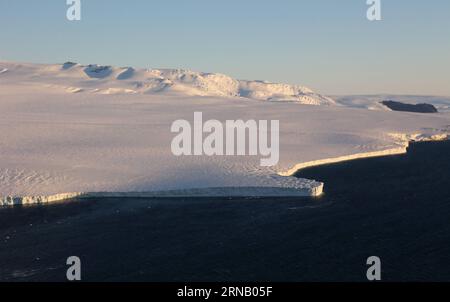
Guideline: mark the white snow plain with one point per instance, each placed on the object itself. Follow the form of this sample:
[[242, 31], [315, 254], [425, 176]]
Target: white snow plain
[[71, 130]]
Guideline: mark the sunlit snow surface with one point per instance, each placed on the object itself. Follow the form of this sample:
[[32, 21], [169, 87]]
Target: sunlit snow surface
[[72, 128]]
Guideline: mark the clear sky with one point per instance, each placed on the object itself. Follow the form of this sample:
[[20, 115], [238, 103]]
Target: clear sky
[[328, 45]]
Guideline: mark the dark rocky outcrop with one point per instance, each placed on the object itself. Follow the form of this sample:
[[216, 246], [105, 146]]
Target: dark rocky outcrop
[[421, 108]]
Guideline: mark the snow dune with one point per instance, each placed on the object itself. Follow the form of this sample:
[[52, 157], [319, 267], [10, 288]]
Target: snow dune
[[71, 130]]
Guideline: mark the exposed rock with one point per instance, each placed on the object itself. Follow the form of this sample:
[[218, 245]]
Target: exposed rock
[[421, 108]]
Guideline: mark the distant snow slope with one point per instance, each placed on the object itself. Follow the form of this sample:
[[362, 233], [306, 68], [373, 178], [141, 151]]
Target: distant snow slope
[[61, 134], [372, 102], [115, 80]]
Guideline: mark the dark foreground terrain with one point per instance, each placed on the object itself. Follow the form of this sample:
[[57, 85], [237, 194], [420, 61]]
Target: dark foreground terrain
[[397, 208]]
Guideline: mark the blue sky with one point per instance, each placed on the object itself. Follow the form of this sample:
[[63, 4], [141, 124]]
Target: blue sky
[[328, 45]]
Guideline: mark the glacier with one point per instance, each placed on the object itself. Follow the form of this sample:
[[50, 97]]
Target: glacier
[[71, 130]]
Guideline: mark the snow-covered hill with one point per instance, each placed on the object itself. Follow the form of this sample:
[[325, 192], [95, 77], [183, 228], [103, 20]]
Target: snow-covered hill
[[115, 80]]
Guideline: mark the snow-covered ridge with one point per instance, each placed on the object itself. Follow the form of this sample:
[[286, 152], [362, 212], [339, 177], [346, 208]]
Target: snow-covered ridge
[[125, 80]]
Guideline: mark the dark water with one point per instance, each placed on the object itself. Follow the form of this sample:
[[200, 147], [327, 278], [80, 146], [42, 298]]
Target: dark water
[[396, 208]]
